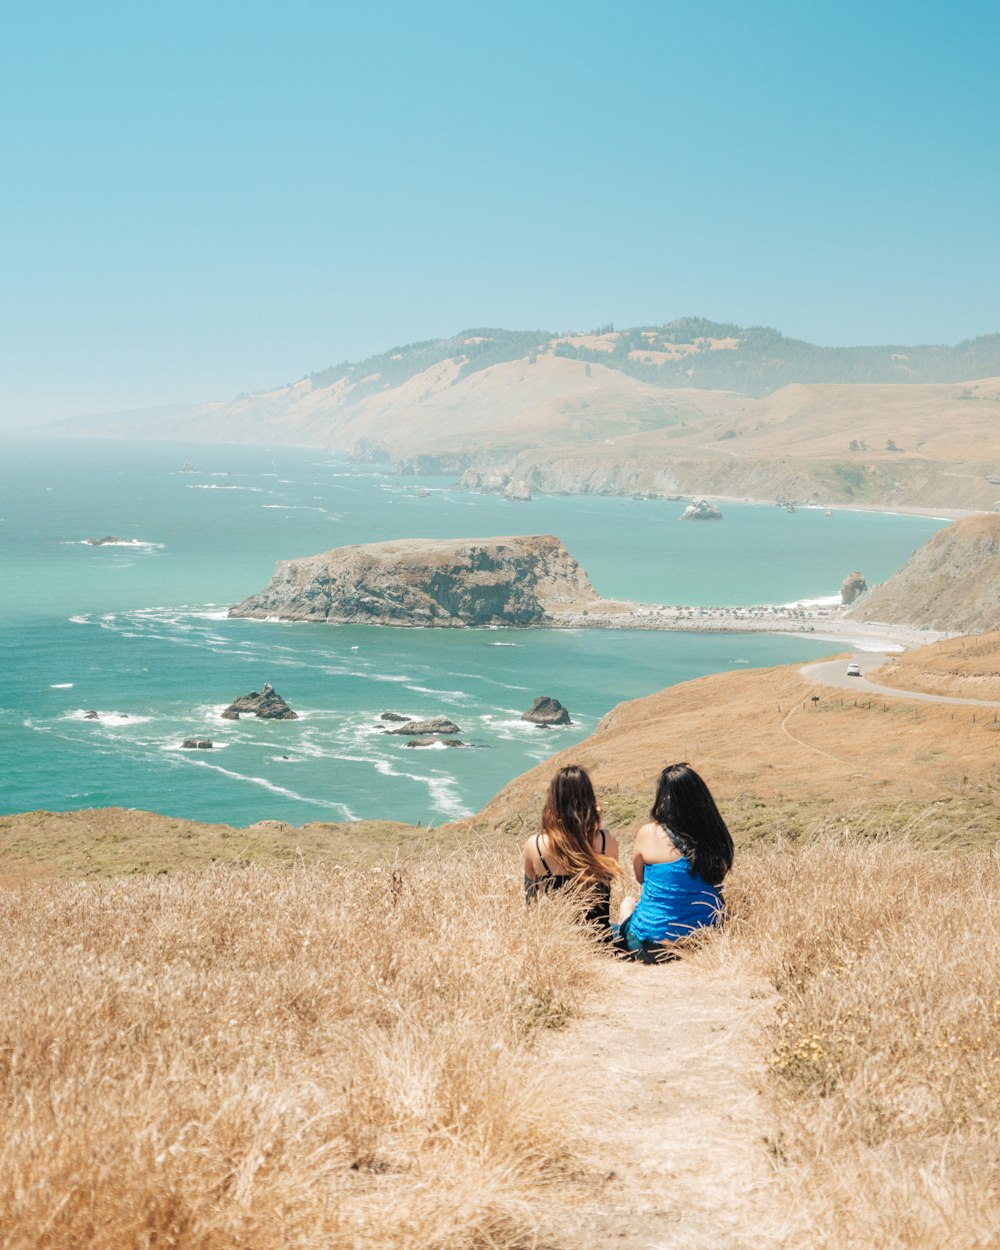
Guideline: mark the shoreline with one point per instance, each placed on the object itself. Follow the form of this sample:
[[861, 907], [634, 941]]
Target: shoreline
[[818, 622]]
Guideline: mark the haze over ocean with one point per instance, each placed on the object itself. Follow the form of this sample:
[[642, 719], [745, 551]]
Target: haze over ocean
[[138, 631]]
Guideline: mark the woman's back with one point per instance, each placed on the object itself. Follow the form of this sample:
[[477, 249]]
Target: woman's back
[[674, 902]]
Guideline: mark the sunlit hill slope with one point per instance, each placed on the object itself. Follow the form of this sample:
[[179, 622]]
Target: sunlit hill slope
[[691, 407]]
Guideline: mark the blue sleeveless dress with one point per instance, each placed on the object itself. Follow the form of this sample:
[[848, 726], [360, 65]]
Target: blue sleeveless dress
[[674, 902]]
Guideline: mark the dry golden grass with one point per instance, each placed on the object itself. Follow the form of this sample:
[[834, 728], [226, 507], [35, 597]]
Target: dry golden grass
[[885, 1055], [781, 765], [266, 1057], [116, 841], [962, 668]]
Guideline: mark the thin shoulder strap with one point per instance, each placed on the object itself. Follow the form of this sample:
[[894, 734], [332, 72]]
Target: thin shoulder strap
[[538, 848], [604, 841]]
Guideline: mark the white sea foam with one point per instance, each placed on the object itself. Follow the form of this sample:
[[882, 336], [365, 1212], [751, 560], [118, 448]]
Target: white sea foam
[[254, 490], [83, 619], [823, 601], [442, 790], [61, 685], [114, 719], [455, 696], [291, 507], [346, 813], [134, 544]]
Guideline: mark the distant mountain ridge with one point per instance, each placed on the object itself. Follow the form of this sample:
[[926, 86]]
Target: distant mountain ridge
[[688, 352], [685, 408]]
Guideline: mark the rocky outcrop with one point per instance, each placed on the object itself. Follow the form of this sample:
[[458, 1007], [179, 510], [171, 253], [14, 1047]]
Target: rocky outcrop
[[484, 581], [431, 741], [369, 451], [701, 510], [266, 703], [197, 744], [546, 711], [394, 716], [484, 481], [952, 582], [852, 587], [518, 491], [421, 728], [109, 540]]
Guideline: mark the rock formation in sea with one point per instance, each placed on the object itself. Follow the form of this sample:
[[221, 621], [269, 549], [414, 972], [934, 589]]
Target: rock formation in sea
[[430, 740], [546, 711], [519, 491], [197, 744], [853, 586], [701, 510], [108, 540], [421, 728], [418, 581], [265, 703]]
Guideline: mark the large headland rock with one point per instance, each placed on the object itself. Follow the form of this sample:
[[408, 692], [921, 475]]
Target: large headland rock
[[952, 582], [519, 581]]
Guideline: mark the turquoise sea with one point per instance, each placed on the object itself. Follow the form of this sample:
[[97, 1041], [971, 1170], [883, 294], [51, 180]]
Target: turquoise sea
[[138, 631]]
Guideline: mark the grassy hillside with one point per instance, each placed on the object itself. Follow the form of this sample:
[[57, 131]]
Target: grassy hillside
[[950, 583], [329, 1036], [782, 765]]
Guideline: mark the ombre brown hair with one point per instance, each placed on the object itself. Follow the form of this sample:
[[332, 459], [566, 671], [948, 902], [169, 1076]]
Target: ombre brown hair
[[571, 820]]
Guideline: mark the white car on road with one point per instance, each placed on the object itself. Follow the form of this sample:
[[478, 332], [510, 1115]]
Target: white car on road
[[854, 670]]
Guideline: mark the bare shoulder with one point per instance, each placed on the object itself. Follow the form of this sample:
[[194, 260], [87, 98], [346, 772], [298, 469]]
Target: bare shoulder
[[610, 844]]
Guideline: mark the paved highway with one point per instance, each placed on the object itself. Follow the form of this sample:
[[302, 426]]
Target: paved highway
[[834, 673]]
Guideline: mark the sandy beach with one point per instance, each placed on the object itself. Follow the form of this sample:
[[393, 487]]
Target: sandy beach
[[821, 620]]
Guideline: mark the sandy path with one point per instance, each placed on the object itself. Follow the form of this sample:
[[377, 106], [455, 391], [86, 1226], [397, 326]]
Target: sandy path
[[678, 1120]]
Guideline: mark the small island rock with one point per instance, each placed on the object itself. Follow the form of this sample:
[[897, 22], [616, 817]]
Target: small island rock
[[106, 541], [522, 581], [518, 491], [420, 728], [428, 740], [546, 711], [197, 744], [394, 716], [266, 703], [701, 510], [852, 587]]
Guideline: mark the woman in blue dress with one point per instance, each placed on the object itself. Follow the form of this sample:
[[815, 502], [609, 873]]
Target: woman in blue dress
[[680, 858]]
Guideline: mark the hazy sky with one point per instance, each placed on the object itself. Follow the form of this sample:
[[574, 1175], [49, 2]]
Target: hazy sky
[[204, 198]]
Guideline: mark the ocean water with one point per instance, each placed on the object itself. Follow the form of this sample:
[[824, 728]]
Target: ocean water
[[137, 631]]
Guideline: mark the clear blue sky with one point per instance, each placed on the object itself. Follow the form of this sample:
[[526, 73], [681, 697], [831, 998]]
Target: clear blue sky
[[204, 198]]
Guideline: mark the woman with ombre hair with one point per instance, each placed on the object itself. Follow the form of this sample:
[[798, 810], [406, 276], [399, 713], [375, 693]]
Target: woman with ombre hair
[[572, 848]]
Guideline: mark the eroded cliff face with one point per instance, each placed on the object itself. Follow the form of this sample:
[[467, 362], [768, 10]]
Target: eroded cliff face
[[450, 583], [952, 582]]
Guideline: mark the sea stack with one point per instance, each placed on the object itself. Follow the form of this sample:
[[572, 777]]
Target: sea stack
[[265, 703], [701, 510], [546, 711], [447, 583]]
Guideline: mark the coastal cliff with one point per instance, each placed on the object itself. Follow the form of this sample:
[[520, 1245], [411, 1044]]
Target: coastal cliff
[[950, 583], [451, 583]]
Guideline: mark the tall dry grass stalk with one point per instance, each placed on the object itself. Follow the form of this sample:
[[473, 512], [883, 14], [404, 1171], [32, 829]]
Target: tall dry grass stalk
[[885, 1056], [268, 1058]]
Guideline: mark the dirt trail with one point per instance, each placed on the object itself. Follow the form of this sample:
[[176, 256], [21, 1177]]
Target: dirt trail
[[678, 1121]]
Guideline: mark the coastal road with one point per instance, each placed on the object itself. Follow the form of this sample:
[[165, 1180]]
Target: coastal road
[[834, 673]]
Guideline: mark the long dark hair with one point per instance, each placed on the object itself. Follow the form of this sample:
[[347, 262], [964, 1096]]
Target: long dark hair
[[684, 806], [571, 820]]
